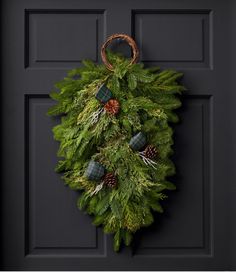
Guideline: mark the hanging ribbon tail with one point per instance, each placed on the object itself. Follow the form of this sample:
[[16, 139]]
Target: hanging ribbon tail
[[147, 161], [96, 115], [97, 189]]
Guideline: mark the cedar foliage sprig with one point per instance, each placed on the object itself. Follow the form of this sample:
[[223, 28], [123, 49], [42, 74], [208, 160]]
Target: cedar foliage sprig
[[147, 98]]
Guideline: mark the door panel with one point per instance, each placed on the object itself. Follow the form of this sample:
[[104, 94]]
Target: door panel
[[54, 224], [184, 37], [78, 32], [187, 227], [41, 228]]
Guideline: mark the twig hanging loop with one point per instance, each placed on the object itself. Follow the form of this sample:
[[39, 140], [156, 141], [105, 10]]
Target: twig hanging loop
[[129, 40]]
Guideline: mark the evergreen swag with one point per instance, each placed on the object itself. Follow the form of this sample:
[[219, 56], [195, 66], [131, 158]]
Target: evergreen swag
[[147, 99]]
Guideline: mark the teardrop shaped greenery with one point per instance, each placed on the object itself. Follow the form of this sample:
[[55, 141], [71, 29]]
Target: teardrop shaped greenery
[[148, 98]]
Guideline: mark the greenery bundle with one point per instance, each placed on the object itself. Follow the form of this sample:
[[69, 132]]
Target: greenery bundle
[[147, 98]]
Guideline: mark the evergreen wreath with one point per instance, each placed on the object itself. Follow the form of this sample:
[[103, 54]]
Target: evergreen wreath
[[115, 138]]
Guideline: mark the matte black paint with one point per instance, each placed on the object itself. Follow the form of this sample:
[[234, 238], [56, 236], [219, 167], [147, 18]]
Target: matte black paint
[[41, 228]]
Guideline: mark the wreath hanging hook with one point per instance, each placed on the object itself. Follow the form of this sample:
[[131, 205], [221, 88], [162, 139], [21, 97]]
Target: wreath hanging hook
[[125, 37]]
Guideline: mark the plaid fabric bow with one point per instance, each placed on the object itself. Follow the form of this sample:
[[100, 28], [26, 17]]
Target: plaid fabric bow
[[94, 171], [138, 141], [103, 94]]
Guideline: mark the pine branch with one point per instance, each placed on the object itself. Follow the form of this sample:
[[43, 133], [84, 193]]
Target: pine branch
[[148, 98]]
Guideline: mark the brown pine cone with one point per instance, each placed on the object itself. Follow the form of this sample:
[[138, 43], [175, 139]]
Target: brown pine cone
[[150, 152], [110, 180], [112, 106]]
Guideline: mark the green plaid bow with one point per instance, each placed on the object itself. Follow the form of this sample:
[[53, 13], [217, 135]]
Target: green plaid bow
[[94, 171], [103, 94], [138, 141]]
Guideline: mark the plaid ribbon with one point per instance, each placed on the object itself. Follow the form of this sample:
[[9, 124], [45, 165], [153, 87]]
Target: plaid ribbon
[[103, 94], [94, 171], [138, 141]]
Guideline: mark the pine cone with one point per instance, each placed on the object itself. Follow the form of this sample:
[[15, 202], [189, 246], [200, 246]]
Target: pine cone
[[112, 106], [150, 152], [110, 180]]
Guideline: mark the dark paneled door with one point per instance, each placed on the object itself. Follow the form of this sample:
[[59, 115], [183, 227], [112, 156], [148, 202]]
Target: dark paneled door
[[41, 228]]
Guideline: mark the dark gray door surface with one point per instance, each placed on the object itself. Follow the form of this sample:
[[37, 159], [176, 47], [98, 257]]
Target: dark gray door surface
[[41, 228]]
